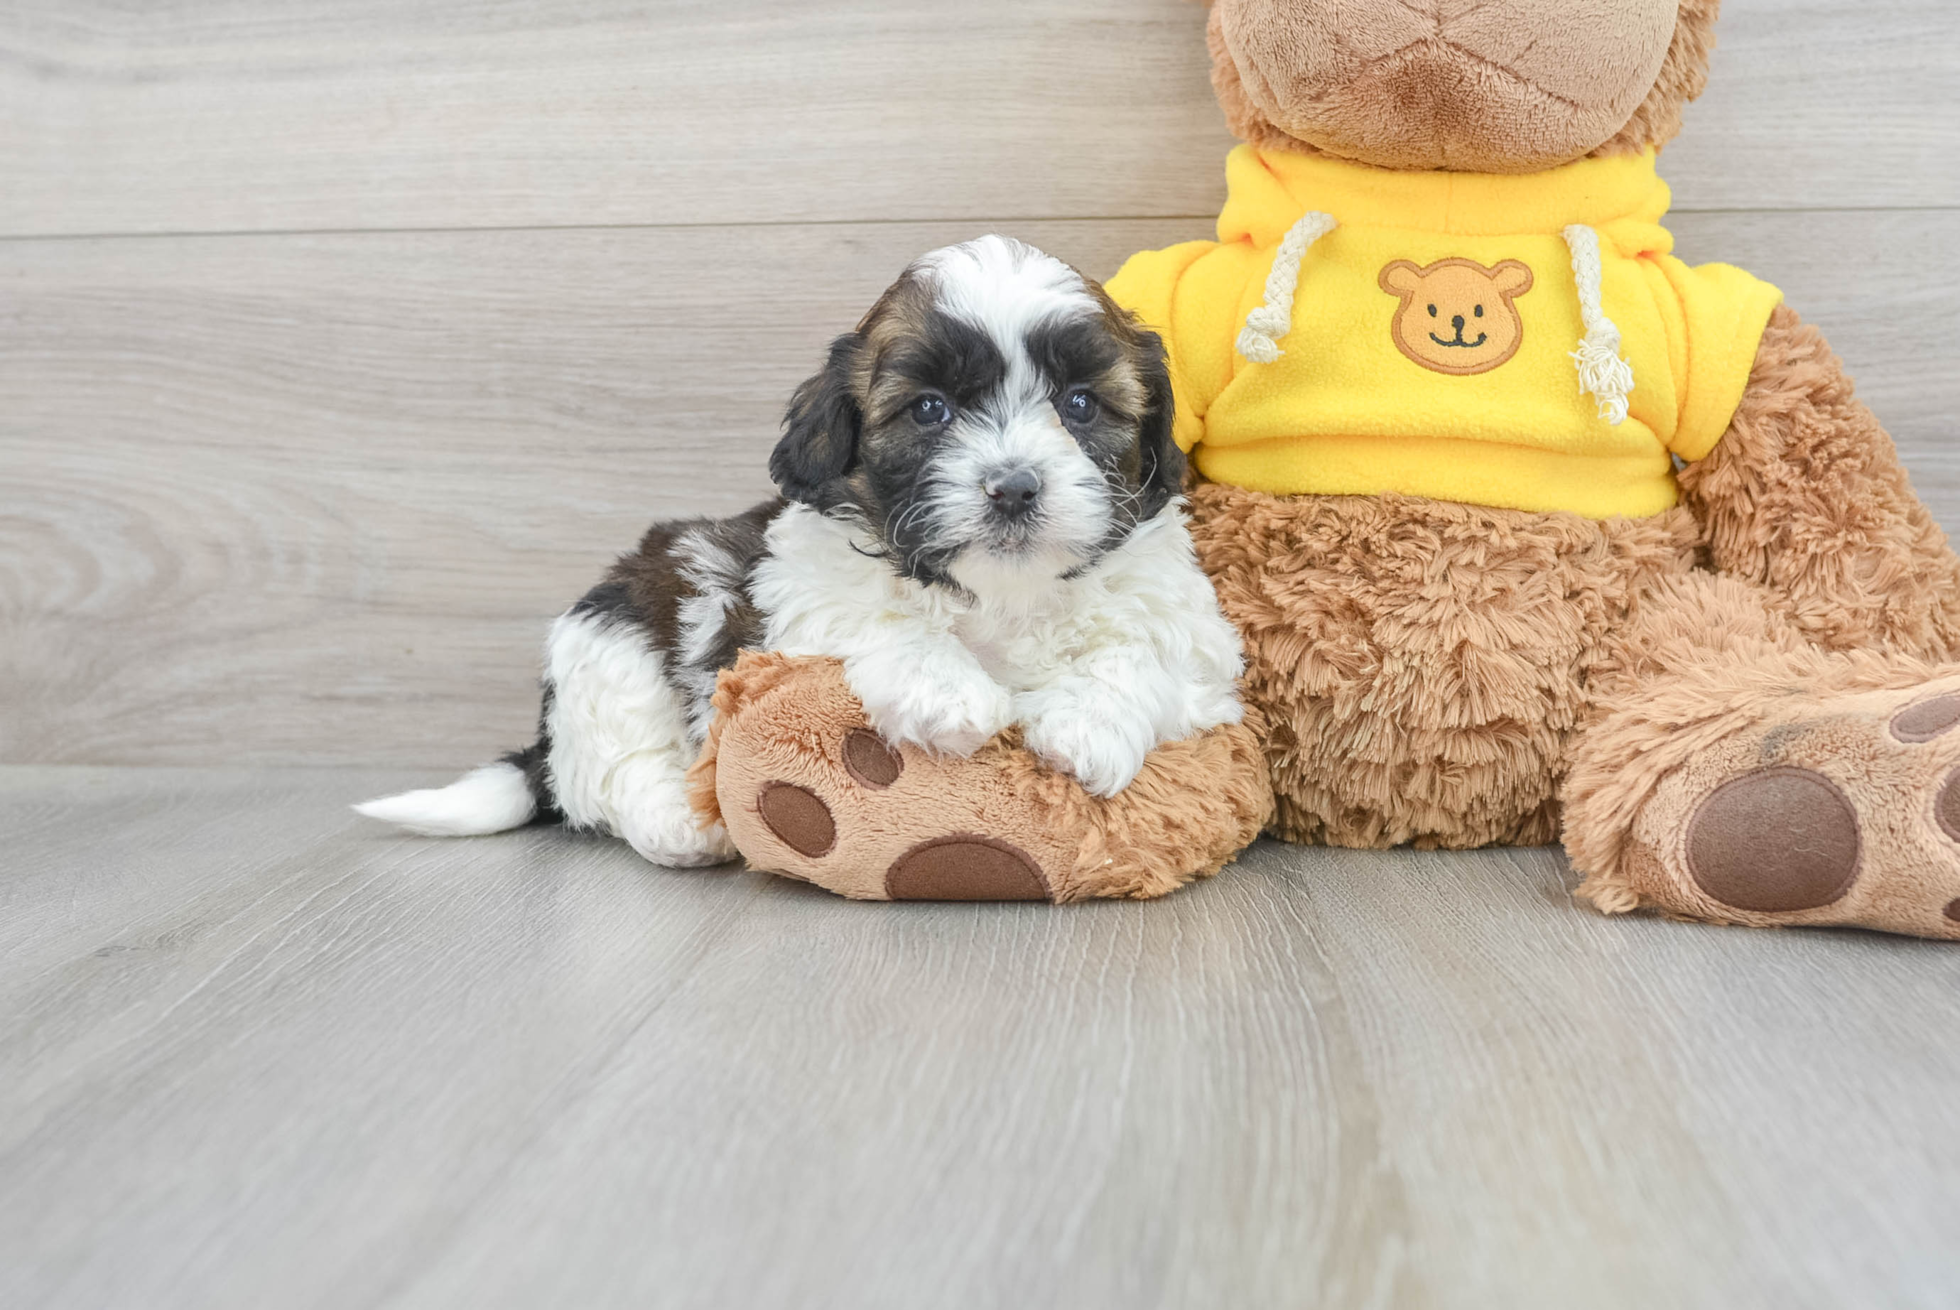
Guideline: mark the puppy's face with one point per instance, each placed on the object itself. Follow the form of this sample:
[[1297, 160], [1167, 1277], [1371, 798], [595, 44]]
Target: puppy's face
[[994, 419]]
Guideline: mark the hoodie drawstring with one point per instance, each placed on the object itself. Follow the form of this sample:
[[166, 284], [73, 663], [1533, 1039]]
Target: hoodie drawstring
[[1264, 326], [1601, 370]]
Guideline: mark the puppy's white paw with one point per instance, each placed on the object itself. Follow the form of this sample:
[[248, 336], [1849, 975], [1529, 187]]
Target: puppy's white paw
[[677, 841], [1098, 752], [954, 713]]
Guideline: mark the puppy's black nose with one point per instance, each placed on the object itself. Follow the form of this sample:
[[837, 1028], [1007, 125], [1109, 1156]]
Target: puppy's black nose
[[1013, 492], [1457, 323]]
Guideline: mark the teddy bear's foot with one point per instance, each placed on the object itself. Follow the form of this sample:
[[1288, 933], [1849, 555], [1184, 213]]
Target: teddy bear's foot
[[1828, 809], [807, 789], [796, 831]]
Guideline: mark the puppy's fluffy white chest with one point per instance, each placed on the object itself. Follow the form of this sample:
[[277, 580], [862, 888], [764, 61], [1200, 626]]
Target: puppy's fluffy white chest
[[820, 589], [1134, 648]]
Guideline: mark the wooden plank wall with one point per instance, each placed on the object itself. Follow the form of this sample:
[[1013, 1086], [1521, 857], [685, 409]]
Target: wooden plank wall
[[341, 345]]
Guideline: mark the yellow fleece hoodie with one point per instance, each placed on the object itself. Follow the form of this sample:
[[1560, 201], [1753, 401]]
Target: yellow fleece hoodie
[[1518, 341]]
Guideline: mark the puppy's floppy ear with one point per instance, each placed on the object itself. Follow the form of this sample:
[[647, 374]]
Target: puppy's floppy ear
[[1162, 473], [820, 431]]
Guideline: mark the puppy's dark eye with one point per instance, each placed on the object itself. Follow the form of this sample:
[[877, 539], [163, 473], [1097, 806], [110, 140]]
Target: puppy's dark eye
[[1432, 311], [1480, 311], [1080, 407], [930, 411]]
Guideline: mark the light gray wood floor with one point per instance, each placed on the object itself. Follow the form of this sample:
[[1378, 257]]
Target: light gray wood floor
[[341, 345], [253, 1053]]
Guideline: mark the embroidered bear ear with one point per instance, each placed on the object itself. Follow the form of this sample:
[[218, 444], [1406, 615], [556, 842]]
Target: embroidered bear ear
[[1401, 278], [1511, 277]]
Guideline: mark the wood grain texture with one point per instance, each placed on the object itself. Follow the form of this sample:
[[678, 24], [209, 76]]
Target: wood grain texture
[[274, 115], [313, 499], [255, 1053], [472, 114]]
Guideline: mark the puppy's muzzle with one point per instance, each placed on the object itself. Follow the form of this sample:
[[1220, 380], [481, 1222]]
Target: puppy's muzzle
[[1013, 494]]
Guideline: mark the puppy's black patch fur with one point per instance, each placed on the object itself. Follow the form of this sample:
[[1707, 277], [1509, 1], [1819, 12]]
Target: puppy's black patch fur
[[820, 431]]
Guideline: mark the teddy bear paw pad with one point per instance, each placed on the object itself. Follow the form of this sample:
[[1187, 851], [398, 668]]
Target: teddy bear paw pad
[[870, 760], [1924, 720], [966, 868], [1776, 839], [1842, 810], [799, 818]]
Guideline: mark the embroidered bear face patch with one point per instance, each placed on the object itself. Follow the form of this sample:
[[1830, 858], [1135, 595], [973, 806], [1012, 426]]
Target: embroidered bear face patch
[[1456, 315]]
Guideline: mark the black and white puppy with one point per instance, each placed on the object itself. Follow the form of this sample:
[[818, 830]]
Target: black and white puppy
[[981, 522]]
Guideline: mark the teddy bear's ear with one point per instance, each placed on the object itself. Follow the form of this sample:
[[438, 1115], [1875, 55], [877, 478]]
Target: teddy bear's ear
[[1402, 278], [1511, 278], [1683, 77], [820, 431], [1162, 473]]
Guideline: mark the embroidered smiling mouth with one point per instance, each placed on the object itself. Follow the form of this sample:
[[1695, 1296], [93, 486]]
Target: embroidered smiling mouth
[[1467, 345]]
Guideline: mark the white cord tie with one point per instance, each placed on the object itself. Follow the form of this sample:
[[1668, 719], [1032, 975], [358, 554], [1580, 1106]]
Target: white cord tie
[[1602, 373], [1264, 326]]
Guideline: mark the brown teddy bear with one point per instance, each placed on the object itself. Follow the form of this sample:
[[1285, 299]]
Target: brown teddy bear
[[1534, 532]]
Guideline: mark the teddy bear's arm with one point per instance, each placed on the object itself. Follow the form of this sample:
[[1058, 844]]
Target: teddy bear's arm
[[1188, 294], [1804, 494]]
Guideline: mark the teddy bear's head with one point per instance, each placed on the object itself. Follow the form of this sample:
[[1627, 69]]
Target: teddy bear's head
[[1487, 86]]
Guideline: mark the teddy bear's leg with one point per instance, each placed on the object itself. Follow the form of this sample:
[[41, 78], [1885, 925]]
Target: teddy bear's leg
[[807, 789], [1420, 663], [1805, 496], [1735, 772]]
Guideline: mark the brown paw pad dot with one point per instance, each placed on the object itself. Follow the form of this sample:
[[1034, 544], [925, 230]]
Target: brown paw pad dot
[[800, 820], [965, 868], [870, 760], [1927, 719], [1946, 808], [1774, 840]]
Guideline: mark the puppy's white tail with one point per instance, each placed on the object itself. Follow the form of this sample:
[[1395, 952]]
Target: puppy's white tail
[[491, 799]]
